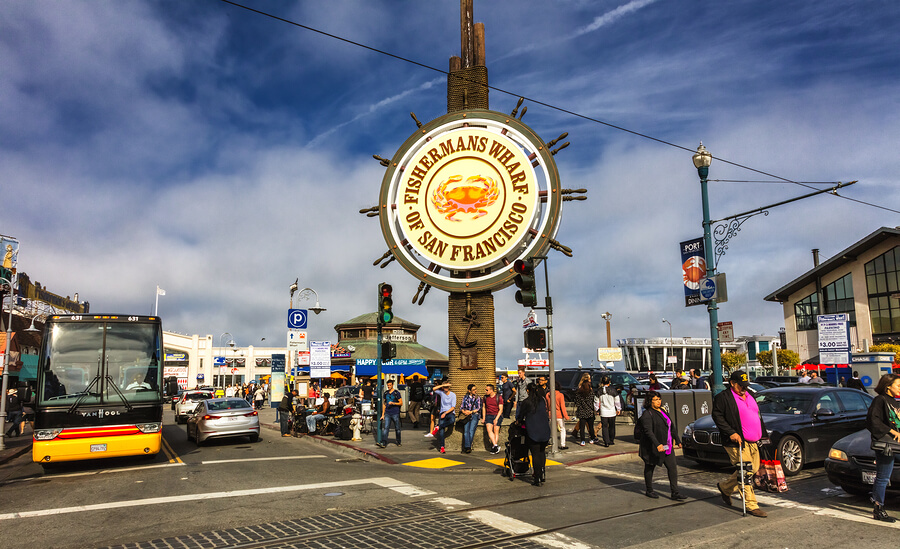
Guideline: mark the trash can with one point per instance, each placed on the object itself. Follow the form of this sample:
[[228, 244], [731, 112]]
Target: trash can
[[684, 408], [702, 403]]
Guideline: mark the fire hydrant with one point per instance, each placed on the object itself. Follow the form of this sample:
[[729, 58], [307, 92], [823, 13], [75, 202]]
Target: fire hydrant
[[356, 425]]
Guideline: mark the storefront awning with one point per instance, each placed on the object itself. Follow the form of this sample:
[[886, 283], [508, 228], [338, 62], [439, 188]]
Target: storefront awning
[[403, 367]]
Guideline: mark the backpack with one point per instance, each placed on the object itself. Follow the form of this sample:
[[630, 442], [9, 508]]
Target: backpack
[[638, 429]]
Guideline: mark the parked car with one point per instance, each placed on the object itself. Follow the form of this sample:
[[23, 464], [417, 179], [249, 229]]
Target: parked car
[[567, 379], [188, 403], [223, 417], [803, 423], [851, 465]]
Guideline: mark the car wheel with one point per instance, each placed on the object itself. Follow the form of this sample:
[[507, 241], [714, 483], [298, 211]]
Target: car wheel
[[254, 438], [188, 430], [855, 490], [790, 452]]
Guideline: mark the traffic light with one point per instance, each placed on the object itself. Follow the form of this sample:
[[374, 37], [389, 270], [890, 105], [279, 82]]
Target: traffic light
[[388, 350], [536, 340], [527, 294], [385, 314]]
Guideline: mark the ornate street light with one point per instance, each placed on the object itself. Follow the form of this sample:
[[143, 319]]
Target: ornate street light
[[607, 316], [702, 159]]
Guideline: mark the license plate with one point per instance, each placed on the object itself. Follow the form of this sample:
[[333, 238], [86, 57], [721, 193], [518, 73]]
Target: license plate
[[868, 477], [98, 447], [234, 419]]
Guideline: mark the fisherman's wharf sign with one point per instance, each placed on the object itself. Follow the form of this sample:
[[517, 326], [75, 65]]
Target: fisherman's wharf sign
[[467, 195]]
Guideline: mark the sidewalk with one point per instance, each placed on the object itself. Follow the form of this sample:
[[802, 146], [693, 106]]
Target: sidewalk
[[16, 446], [416, 447]]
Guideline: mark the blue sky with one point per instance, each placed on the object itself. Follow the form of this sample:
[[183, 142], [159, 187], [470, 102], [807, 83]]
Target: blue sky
[[221, 154]]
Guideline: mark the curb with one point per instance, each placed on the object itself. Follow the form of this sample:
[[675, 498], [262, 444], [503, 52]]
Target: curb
[[14, 454]]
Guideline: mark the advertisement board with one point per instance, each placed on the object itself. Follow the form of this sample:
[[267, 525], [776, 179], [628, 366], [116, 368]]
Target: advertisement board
[[834, 339], [319, 359], [276, 383], [693, 270]]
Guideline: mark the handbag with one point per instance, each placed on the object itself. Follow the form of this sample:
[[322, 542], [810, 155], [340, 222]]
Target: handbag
[[886, 445]]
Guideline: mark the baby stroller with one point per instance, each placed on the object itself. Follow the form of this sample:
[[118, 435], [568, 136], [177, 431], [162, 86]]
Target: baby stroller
[[516, 462]]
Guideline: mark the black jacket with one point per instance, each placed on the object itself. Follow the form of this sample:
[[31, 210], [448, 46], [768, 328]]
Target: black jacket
[[728, 419], [878, 420], [537, 422], [653, 433]]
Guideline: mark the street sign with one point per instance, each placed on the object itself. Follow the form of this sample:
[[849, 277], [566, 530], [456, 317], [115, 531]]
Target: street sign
[[726, 332], [297, 319], [297, 340], [319, 359], [834, 339], [707, 289], [609, 354]]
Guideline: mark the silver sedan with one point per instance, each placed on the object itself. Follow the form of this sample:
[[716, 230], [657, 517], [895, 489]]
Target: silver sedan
[[223, 417]]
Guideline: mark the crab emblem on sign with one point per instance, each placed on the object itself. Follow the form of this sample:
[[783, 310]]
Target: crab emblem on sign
[[473, 196]]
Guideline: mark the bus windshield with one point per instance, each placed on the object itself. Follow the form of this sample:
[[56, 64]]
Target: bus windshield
[[100, 363]]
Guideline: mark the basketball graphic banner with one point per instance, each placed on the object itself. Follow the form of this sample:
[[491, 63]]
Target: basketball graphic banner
[[693, 270]]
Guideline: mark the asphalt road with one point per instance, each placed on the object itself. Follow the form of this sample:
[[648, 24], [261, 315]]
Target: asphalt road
[[289, 492]]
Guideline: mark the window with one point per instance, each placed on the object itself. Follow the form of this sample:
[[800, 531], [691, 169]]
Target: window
[[839, 297], [855, 401], [883, 280], [828, 402], [805, 312]]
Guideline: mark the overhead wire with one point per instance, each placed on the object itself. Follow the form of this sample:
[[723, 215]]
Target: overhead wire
[[548, 105]]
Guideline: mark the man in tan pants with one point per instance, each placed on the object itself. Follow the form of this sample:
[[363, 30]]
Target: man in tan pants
[[739, 422]]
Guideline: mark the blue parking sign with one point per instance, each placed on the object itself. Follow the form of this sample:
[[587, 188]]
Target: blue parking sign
[[297, 319]]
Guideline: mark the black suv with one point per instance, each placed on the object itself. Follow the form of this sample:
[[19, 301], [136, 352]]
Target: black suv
[[567, 379]]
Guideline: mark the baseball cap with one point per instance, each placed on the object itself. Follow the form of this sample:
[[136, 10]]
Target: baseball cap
[[740, 377]]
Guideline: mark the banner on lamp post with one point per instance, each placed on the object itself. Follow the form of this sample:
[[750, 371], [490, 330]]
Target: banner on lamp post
[[693, 270]]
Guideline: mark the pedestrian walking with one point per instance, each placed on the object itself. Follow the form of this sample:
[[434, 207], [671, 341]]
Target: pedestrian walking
[[470, 410], [492, 406], [742, 429], [285, 412], [584, 408], [883, 421], [658, 442], [259, 396], [446, 412], [416, 396], [390, 413], [507, 392], [698, 381], [15, 419], [856, 383], [610, 408], [655, 385], [537, 429], [562, 415]]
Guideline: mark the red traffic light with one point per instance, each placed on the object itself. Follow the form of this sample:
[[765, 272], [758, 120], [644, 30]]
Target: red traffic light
[[386, 290], [524, 267]]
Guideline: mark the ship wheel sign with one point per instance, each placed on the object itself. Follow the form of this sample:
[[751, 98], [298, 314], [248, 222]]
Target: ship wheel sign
[[466, 196]]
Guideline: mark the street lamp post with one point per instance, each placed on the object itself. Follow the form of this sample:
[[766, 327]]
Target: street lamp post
[[607, 316], [5, 383], [669, 353], [222, 343], [702, 159]]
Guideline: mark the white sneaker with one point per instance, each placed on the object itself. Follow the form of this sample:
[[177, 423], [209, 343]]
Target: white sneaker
[[429, 435]]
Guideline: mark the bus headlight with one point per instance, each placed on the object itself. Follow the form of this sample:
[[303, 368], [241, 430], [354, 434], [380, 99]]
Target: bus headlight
[[147, 428], [46, 434]]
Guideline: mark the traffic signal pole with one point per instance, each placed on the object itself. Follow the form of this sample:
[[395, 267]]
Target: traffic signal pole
[[548, 306]]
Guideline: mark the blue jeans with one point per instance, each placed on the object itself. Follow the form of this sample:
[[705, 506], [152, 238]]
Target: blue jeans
[[388, 419], [469, 430], [311, 422], [13, 419], [447, 421], [884, 466]]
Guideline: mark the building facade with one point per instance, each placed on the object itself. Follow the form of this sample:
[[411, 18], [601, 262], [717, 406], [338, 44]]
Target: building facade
[[862, 281], [663, 354]]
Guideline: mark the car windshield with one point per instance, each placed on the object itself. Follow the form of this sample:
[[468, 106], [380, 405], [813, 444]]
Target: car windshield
[[784, 402], [197, 397], [235, 404]]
